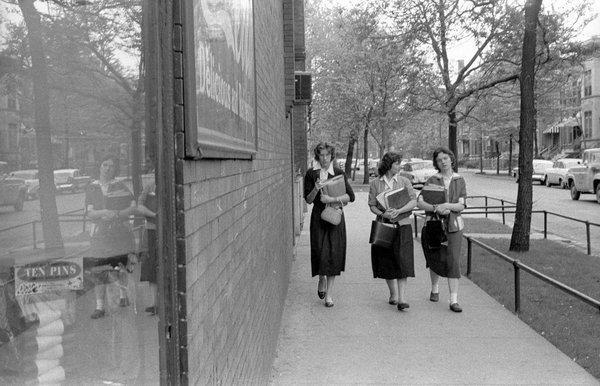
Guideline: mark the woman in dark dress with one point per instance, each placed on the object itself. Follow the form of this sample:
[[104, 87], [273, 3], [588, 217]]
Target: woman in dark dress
[[327, 241], [394, 264], [109, 203], [456, 195]]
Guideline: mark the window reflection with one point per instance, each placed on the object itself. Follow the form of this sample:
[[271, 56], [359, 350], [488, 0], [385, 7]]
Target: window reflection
[[77, 263]]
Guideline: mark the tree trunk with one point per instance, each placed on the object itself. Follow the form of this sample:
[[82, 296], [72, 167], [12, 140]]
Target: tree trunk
[[39, 71], [350, 153], [520, 235], [510, 153], [452, 128], [366, 156], [497, 158]]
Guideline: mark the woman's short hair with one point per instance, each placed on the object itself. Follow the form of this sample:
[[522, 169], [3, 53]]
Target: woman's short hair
[[116, 164], [324, 146], [387, 161], [445, 150]]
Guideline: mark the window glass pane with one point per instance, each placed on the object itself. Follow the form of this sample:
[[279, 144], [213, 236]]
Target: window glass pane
[[76, 270]]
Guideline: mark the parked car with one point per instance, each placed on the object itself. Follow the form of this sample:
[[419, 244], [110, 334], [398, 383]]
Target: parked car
[[539, 170], [373, 166], [585, 177], [31, 181], [13, 192], [70, 180], [418, 172], [557, 174]]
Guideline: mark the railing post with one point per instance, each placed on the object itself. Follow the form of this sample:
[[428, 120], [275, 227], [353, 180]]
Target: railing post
[[517, 287], [416, 232], [587, 233], [34, 235], [469, 256], [486, 206], [503, 217], [545, 224]]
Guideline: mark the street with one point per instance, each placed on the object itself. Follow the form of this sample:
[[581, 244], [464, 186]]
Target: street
[[551, 199], [23, 236]]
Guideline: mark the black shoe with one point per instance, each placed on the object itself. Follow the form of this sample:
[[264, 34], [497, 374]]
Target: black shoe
[[434, 297], [97, 314], [455, 307], [151, 310], [402, 306], [321, 294]]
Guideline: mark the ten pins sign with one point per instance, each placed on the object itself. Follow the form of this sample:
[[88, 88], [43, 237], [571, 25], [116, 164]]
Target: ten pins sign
[[220, 79], [48, 276]]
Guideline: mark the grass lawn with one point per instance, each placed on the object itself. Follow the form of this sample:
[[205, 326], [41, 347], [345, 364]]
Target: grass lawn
[[568, 323]]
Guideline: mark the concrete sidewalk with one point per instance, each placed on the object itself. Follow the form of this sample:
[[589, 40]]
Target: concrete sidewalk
[[364, 340]]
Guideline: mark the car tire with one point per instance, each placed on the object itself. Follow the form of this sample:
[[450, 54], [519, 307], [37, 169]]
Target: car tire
[[19, 204], [574, 192]]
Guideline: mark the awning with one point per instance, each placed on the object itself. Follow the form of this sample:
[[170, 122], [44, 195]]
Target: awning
[[552, 130], [568, 122]]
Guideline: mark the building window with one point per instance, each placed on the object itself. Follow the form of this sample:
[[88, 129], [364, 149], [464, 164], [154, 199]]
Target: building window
[[587, 124], [587, 83], [11, 102], [4, 146], [12, 136]]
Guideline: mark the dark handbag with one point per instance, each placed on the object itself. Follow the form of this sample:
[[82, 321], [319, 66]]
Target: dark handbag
[[382, 234], [433, 234], [332, 215]]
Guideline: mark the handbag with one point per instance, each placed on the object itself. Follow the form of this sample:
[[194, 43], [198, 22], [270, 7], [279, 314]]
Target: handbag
[[433, 234], [382, 234], [332, 215]]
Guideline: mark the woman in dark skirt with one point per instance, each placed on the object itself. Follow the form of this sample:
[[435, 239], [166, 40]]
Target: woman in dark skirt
[[394, 264], [327, 241], [109, 203], [445, 261]]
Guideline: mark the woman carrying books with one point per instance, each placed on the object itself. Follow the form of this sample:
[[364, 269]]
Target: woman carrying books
[[444, 261], [327, 241], [109, 203], [394, 264]]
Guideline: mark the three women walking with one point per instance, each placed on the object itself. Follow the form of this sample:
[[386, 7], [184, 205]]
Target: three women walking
[[394, 264]]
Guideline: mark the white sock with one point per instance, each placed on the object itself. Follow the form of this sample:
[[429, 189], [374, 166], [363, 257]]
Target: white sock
[[435, 288], [453, 297], [99, 304]]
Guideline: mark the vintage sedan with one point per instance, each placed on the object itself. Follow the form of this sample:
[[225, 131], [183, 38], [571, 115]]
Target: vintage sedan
[[70, 180], [557, 174], [12, 192], [539, 170], [418, 172]]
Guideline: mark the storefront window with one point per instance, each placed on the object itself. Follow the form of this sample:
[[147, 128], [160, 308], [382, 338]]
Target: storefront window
[[78, 272]]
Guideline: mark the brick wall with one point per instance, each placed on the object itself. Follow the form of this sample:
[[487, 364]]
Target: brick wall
[[239, 234]]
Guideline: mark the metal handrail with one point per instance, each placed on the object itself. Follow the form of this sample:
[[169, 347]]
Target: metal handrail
[[517, 265]]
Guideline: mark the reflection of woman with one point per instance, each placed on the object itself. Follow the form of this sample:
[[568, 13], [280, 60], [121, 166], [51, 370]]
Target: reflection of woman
[[456, 195], [147, 208], [109, 203], [327, 241], [394, 264]]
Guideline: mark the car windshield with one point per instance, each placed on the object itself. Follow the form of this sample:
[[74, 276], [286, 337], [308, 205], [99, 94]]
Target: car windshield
[[570, 164], [26, 175], [64, 174]]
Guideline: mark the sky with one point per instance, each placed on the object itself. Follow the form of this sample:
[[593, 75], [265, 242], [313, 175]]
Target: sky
[[465, 50]]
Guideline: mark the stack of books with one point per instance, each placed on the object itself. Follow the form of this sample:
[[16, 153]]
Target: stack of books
[[395, 199], [433, 194], [335, 187]]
